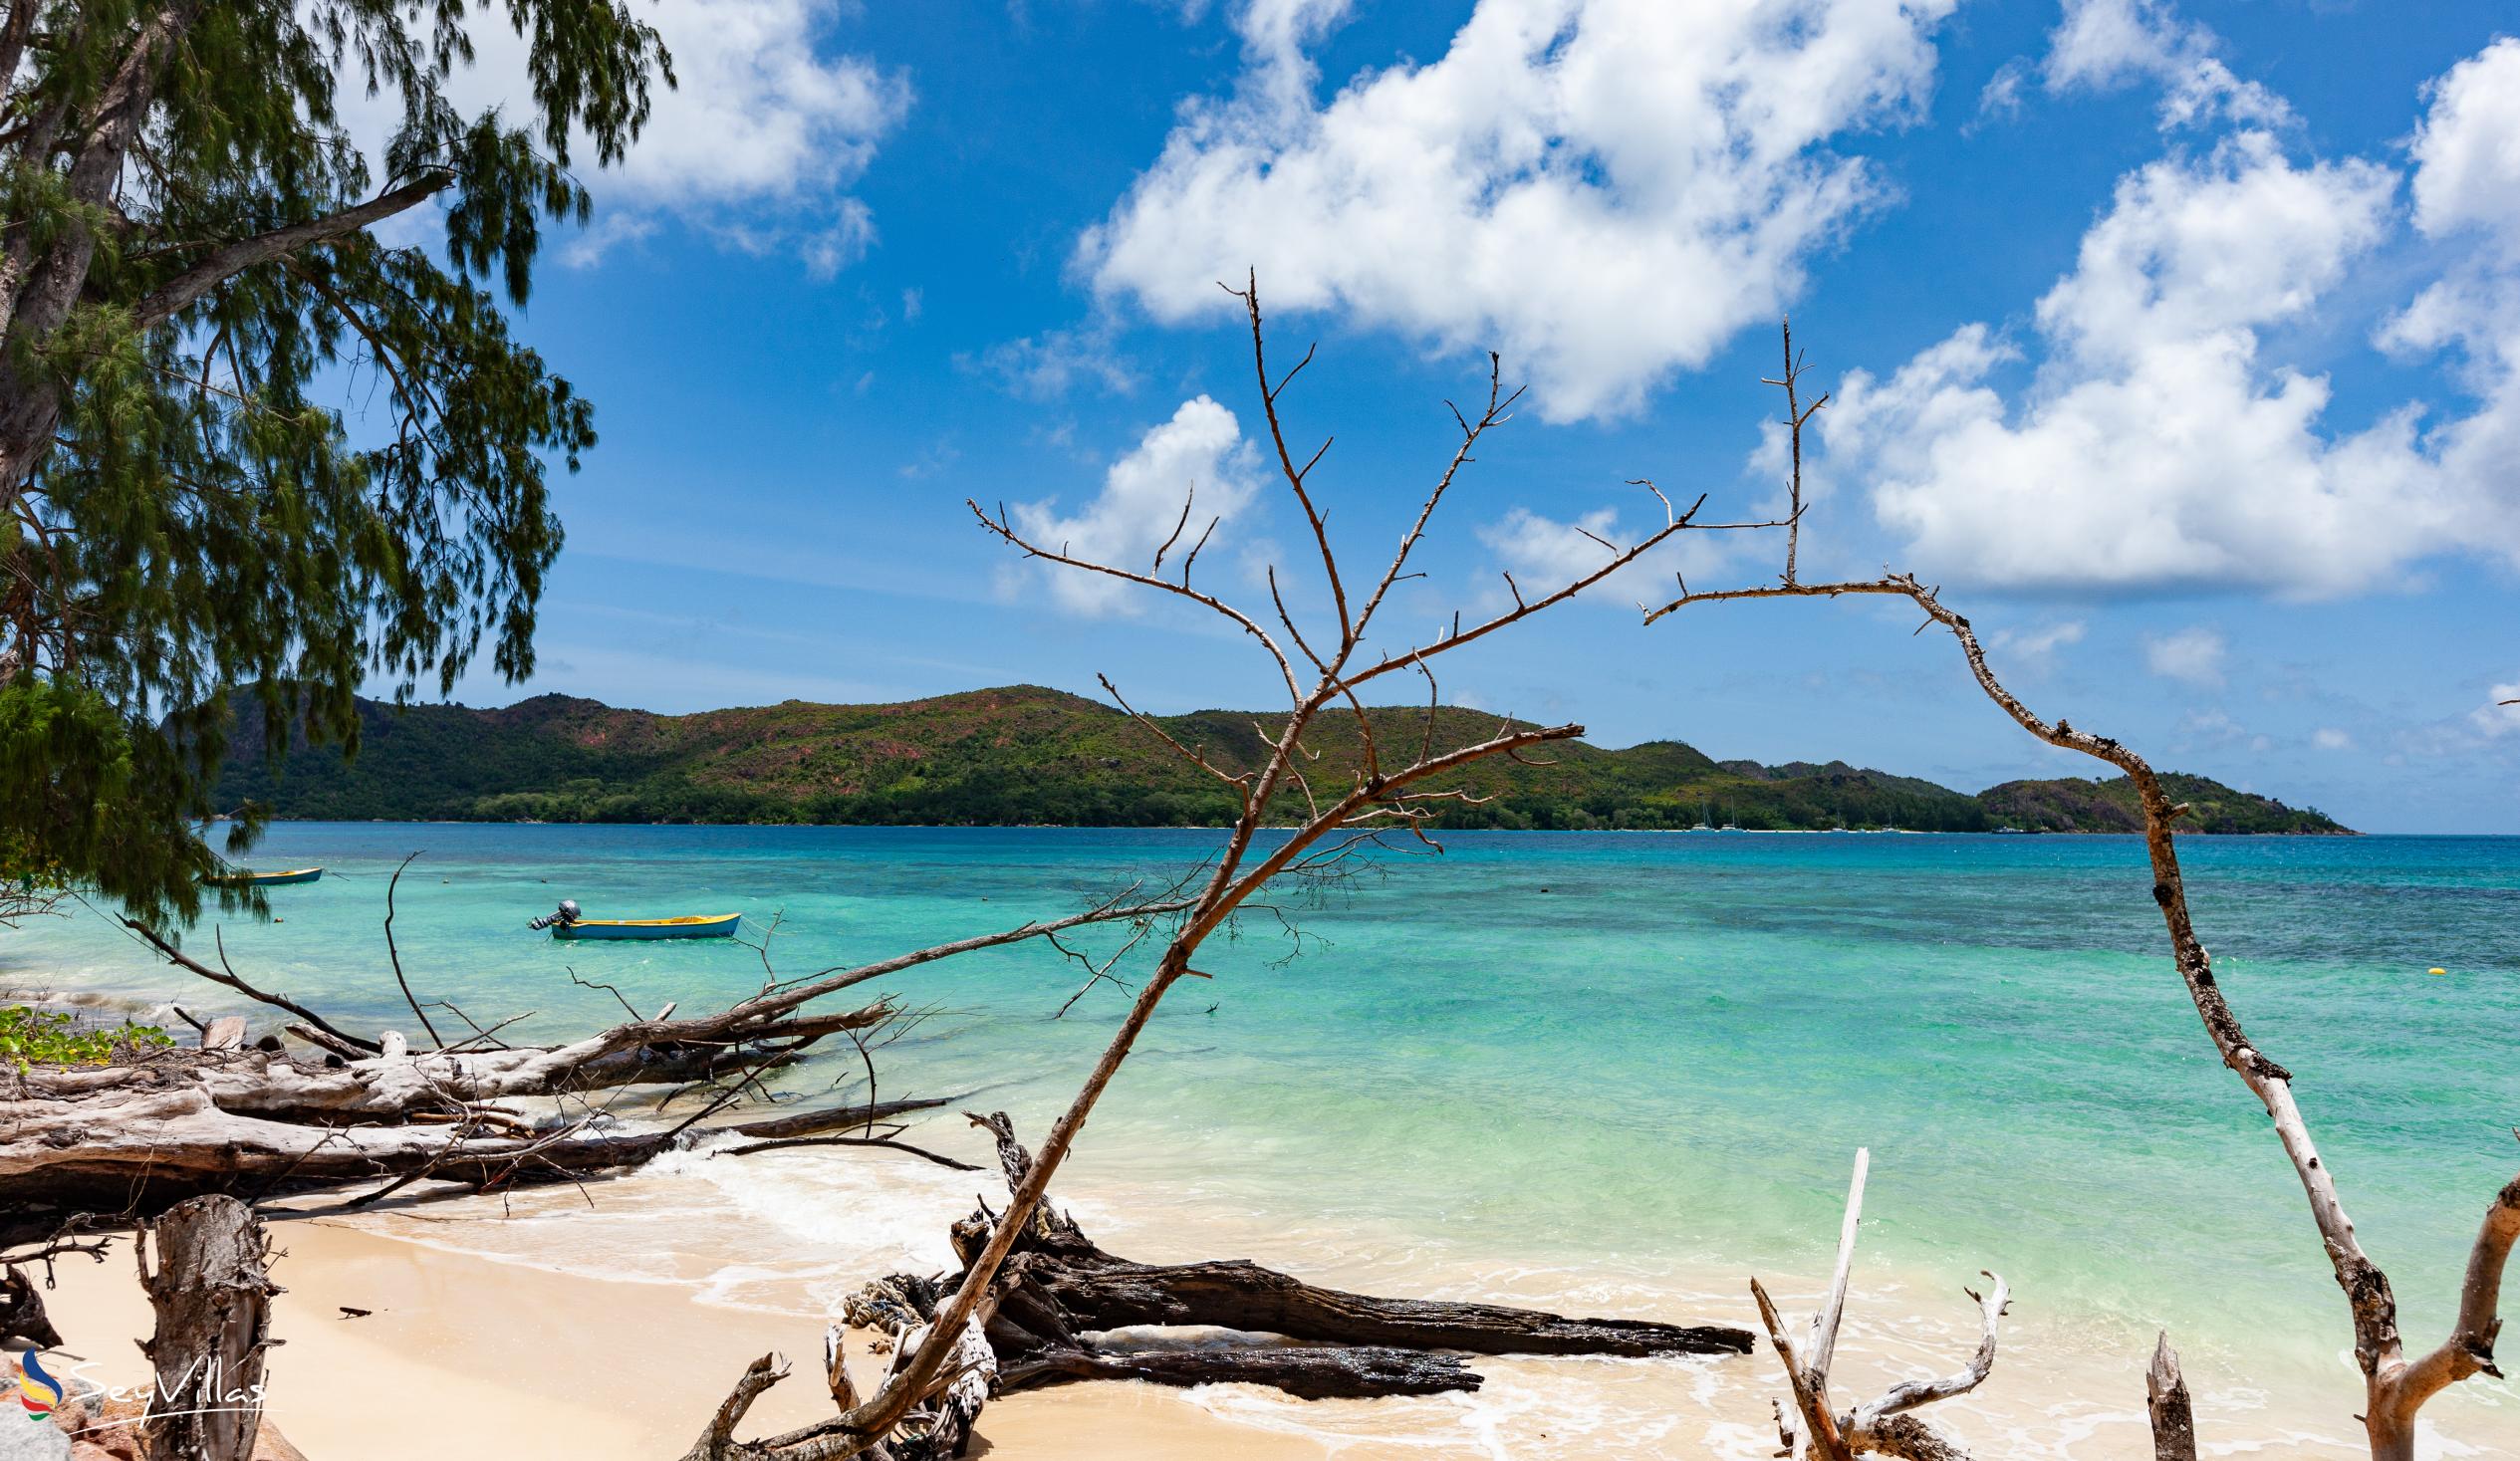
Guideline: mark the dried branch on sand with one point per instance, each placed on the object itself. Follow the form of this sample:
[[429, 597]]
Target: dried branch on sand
[[1811, 1426], [1044, 1316]]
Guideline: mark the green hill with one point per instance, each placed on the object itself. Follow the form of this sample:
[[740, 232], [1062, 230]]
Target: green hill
[[1027, 755]]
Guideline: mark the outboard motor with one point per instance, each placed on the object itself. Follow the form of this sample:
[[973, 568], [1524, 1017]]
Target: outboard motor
[[566, 913]]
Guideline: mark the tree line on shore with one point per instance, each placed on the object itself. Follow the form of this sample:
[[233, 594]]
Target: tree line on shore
[[1028, 756]]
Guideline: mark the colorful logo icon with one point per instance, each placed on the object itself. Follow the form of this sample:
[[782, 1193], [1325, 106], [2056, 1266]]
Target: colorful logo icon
[[39, 1393]]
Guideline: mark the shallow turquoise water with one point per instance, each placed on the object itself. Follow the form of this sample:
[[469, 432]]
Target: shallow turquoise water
[[1616, 1054]]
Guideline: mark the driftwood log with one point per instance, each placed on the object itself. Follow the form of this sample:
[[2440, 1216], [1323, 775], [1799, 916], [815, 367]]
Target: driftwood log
[[1060, 1293], [1048, 1306], [136, 1138]]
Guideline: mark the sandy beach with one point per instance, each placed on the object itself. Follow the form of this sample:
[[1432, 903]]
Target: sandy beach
[[498, 1356], [466, 1356]]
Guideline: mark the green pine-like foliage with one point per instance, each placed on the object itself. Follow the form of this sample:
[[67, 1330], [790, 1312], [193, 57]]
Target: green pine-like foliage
[[189, 284], [1024, 755]]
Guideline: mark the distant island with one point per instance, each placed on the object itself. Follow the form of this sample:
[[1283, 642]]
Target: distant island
[[1028, 756]]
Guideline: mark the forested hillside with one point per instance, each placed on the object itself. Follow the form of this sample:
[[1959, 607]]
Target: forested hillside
[[1027, 755]]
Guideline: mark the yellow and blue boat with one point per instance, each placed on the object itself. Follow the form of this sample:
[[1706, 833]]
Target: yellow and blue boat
[[698, 925]]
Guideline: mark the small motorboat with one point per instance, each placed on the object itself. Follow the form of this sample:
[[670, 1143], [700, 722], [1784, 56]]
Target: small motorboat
[[246, 877], [697, 925], [568, 922]]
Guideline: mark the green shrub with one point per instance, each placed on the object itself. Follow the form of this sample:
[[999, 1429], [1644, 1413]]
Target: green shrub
[[53, 1037]]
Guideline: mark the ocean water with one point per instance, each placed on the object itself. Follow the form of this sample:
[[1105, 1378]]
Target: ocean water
[[1615, 1073]]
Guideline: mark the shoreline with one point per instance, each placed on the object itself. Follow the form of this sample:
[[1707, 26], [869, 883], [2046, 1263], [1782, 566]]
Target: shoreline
[[560, 1362], [610, 1322], [2135, 836]]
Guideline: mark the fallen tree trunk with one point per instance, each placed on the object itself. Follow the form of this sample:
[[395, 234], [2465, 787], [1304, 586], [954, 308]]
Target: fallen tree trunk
[[1043, 1318], [142, 1150], [1240, 1295], [393, 1087], [1308, 1373], [1059, 1288]]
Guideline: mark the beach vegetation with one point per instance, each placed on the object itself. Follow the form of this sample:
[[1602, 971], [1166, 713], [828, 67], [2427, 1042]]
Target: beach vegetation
[[34, 1036]]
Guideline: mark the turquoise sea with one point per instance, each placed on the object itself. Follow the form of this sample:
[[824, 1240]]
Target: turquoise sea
[[1612, 1072]]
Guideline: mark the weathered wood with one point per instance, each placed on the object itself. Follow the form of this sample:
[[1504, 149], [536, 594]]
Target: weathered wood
[[142, 1151], [1057, 1287], [2165, 1399], [1096, 1289], [212, 1298], [227, 1032], [1240, 1294], [1813, 1427], [23, 1321], [1311, 1373]]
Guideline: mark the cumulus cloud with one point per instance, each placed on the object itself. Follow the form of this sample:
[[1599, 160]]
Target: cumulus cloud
[[1199, 454], [2155, 446], [758, 146], [2467, 169], [2101, 45], [2329, 738], [2193, 655], [1604, 189], [2467, 191]]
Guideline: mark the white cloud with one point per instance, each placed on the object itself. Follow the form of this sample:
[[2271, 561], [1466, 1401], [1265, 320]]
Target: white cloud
[[1049, 365], [2193, 655], [2104, 44], [2153, 447], [2329, 738], [1604, 189], [1199, 454], [2466, 191], [2468, 170], [758, 145], [1546, 554], [2035, 648]]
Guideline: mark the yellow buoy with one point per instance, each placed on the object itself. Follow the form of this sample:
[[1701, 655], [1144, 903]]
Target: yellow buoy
[[2436, 971]]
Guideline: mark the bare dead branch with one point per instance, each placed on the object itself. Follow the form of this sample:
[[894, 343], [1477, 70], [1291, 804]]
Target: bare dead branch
[[231, 979], [1000, 528]]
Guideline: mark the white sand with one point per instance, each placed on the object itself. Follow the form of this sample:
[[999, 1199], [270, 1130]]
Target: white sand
[[468, 1357]]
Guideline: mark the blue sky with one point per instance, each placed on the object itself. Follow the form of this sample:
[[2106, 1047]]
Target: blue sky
[[2180, 343]]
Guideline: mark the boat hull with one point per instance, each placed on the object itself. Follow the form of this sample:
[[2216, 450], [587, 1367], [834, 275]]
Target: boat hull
[[270, 879], [718, 925]]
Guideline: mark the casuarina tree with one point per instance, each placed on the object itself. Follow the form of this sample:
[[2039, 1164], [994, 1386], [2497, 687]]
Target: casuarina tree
[[200, 260]]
